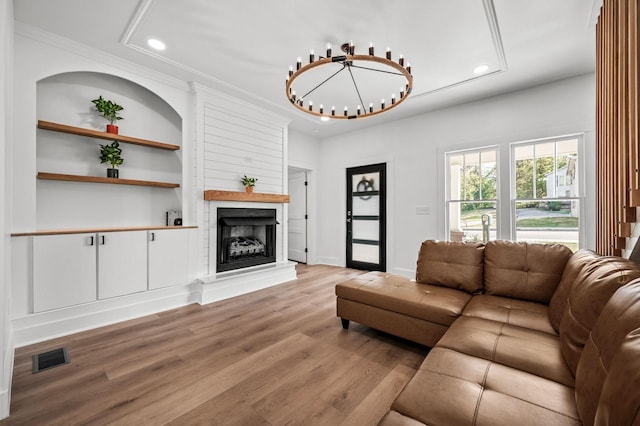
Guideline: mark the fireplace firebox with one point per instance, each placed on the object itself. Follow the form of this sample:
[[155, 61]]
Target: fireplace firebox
[[246, 237]]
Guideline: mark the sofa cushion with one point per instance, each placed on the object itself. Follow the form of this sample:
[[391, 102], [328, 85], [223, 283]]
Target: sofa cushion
[[524, 270], [439, 305], [593, 288], [558, 302], [521, 313], [609, 369], [527, 350], [454, 388], [451, 264]]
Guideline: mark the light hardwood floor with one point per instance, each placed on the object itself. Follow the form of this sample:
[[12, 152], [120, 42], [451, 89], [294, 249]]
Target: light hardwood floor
[[273, 357]]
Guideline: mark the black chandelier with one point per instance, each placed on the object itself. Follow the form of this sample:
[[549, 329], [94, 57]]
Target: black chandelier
[[349, 61]]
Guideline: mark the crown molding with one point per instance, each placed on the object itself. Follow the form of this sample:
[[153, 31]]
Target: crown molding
[[94, 54]]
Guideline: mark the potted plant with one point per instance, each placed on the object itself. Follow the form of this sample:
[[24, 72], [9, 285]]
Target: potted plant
[[249, 183], [109, 110], [111, 154]]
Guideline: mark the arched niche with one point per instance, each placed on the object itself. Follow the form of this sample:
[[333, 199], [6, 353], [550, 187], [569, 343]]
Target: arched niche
[[66, 98]]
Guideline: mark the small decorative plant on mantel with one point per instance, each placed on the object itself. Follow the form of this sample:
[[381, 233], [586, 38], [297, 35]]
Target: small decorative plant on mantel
[[108, 110], [249, 183], [112, 155]]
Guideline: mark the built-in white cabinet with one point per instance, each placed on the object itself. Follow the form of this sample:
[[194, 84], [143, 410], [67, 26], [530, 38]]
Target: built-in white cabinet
[[71, 269], [122, 263], [168, 258], [64, 270]]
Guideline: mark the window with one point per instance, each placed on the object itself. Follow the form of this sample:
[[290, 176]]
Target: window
[[472, 194], [546, 192]]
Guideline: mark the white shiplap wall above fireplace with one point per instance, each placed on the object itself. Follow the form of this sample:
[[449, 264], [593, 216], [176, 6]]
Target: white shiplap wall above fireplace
[[237, 139]]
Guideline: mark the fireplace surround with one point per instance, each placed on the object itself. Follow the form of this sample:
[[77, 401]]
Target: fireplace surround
[[245, 237]]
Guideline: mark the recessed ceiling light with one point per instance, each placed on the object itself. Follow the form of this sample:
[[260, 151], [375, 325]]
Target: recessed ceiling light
[[156, 44], [481, 69]]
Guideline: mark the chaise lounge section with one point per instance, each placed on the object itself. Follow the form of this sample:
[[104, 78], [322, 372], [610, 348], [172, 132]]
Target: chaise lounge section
[[520, 334]]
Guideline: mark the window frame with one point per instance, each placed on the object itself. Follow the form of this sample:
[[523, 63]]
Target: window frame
[[580, 195], [447, 193]]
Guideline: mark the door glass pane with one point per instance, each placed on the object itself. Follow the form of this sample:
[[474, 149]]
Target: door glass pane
[[365, 253], [366, 230], [368, 205], [366, 182]]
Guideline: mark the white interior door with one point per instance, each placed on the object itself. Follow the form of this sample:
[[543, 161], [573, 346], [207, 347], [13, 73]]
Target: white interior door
[[297, 223]]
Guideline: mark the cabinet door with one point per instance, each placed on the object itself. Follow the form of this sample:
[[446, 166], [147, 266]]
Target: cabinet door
[[168, 257], [122, 263], [64, 270]]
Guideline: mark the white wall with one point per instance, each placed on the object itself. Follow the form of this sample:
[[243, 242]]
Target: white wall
[[6, 345], [414, 151]]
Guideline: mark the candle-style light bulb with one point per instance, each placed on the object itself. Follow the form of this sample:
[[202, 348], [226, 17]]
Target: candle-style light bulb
[[401, 92], [408, 67], [388, 53], [382, 104], [333, 110], [352, 48], [370, 106], [298, 63], [371, 49], [312, 56], [321, 108], [345, 111], [290, 70], [310, 105], [393, 98], [293, 95], [359, 108], [401, 60], [328, 50]]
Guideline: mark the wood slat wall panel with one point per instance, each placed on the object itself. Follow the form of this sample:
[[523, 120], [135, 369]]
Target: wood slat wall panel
[[617, 151]]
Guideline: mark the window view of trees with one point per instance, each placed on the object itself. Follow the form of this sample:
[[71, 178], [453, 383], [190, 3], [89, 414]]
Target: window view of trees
[[472, 194], [546, 192]]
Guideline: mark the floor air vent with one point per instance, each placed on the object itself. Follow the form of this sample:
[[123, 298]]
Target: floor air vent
[[47, 360]]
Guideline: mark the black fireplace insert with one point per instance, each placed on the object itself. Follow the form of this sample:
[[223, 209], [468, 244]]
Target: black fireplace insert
[[246, 237]]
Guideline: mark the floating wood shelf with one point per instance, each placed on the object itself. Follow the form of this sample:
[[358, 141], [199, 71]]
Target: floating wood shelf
[[56, 127], [97, 230], [215, 195], [96, 179]]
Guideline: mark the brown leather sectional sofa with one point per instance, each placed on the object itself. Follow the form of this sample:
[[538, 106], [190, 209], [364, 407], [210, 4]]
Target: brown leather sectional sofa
[[521, 334]]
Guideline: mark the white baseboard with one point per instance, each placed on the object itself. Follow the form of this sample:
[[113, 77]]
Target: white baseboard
[[41, 326], [225, 285], [324, 260], [4, 403], [7, 376]]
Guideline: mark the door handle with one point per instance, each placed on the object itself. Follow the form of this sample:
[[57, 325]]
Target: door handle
[[102, 239], [153, 236], [91, 241]]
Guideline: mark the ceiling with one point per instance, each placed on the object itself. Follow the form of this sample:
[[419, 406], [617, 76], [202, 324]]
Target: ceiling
[[245, 47]]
